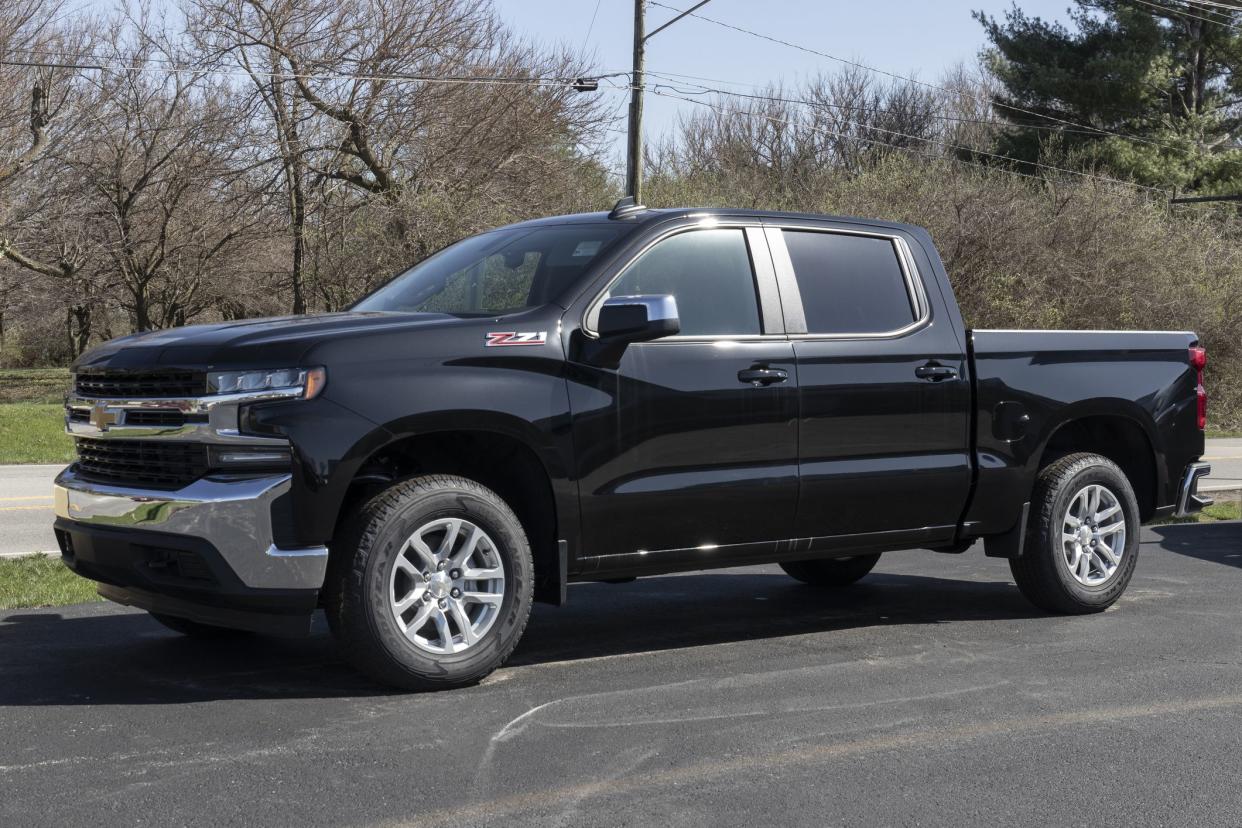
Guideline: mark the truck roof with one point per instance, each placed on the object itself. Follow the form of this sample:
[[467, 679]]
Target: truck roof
[[649, 215]]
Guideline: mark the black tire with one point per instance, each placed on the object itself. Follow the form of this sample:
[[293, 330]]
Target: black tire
[[358, 605], [1042, 571], [831, 572], [197, 629]]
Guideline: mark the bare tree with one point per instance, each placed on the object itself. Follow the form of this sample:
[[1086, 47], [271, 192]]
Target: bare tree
[[387, 117], [38, 84], [164, 170]]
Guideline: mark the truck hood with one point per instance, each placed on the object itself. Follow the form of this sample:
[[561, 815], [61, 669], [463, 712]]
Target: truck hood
[[248, 342]]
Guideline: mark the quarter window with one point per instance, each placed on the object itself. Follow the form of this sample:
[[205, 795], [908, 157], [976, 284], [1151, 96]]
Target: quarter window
[[850, 284], [708, 272]]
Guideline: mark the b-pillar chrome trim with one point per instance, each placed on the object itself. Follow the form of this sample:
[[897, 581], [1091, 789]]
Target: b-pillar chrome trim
[[233, 515], [1188, 498]]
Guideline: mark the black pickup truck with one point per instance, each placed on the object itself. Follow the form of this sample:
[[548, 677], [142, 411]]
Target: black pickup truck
[[602, 396]]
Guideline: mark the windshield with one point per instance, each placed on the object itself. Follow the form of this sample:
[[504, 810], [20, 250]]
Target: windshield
[[495, 273]]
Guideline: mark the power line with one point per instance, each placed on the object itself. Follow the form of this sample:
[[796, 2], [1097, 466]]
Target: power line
[[932, 141], [894, 75], [672, 77], [590, 27], [119, 67], [1217, 14], [1182, 12], [908, 150], [1227, 6]]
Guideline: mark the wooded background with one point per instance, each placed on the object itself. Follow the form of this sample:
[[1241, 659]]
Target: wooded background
[[234, 158]]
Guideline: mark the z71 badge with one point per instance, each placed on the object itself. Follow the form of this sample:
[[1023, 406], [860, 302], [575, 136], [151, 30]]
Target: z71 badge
[[507, 338]]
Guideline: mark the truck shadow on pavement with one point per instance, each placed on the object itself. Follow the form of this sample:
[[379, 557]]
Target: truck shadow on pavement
[[1215, 542], [98, 655]]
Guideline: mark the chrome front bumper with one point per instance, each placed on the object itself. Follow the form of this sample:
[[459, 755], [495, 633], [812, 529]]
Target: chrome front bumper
[[1188, 498], [233, 515]]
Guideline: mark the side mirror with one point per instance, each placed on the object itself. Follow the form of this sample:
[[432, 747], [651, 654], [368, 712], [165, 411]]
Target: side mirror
[[638, 318], [624, 320]]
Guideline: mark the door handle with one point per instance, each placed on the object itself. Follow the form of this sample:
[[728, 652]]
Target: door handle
[[935, 372], [762, 376]]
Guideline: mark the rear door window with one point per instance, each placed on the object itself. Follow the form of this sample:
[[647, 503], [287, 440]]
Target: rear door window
[[850, 284]]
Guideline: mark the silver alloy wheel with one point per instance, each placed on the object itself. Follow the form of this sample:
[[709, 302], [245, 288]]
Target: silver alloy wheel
[[1093, 535], [446, 586]]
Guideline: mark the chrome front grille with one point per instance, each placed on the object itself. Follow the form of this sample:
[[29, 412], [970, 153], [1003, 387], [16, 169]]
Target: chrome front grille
[[162, 431], [159, 464]]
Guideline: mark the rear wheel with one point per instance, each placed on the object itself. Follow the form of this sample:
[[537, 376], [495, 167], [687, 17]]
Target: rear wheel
[[197, 629], [831, 572], [433, 585], [1083, 539]]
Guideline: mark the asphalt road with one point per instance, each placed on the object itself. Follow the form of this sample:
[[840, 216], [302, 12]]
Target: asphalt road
[[26, 500], [1225, 455], [929, 694], [26, 508]]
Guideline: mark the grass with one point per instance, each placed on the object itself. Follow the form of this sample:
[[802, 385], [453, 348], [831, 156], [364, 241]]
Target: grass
[[33, 432], [32, 420], [41, 385], [41, 581], [1223, 510]]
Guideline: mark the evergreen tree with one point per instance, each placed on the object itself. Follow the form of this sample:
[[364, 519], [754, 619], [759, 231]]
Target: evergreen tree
[[1165, 71]]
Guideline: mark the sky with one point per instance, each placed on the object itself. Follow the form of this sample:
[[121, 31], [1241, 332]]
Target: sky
[[922, 38]]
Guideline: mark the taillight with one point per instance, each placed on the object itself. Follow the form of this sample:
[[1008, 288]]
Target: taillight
[[1198, 361]]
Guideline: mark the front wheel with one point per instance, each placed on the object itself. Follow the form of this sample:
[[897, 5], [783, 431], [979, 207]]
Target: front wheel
[[1083, 539], [831, 572], [433, 584]]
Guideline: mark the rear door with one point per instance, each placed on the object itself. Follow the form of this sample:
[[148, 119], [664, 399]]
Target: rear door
[[687, 452], [885, 399]]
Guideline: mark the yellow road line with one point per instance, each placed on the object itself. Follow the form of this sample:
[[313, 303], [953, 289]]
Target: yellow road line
[[23, 508], [31, 497]]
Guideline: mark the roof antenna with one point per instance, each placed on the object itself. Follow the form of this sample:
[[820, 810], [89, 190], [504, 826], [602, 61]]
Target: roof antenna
[[624, 207]]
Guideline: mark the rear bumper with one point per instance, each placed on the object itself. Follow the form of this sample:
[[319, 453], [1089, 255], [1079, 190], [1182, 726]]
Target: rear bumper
[[1188, 498], [205, 552]]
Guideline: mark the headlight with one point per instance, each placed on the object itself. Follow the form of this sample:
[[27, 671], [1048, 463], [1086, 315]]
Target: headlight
[[308, 381]]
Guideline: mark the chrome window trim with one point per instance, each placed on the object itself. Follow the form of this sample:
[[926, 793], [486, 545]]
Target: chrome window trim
[[721, 338], [916, 290], [762, 294], [1075, 331]]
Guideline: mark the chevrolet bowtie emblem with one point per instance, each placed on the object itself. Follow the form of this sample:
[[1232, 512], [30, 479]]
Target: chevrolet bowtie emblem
[[102, 416]]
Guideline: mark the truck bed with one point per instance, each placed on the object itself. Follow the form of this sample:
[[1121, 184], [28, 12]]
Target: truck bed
[[1027, 384]]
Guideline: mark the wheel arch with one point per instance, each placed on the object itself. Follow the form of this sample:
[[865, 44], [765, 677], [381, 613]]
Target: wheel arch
[[504, 453], [1117, 429]]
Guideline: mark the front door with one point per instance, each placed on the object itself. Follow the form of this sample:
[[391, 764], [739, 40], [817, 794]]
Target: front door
[[687, 453]]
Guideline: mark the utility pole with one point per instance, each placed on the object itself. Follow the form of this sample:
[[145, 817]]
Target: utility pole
[[634, 139]]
